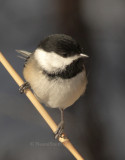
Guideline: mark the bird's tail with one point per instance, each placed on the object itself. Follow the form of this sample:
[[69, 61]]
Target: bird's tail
[[24, 54]]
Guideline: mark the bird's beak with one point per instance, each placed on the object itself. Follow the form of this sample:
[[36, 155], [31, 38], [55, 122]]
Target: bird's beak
[[84, 55]]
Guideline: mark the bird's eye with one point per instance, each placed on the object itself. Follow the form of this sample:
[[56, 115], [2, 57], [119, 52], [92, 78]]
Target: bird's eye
[[64, 54], [82, 50]]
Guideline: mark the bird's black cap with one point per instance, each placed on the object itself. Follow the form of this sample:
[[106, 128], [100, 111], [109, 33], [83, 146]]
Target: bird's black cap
[[62, 44]]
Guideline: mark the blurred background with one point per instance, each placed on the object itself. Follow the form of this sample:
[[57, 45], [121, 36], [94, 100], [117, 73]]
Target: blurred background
[[95, 124]]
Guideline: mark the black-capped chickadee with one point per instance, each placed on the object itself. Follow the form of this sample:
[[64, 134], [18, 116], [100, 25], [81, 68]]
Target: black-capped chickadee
[[56, 73]]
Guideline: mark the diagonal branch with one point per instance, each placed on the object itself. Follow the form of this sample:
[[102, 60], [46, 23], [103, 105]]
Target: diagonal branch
[[64, 140]]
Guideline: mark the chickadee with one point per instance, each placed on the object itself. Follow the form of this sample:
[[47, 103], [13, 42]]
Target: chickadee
[[56, 73]]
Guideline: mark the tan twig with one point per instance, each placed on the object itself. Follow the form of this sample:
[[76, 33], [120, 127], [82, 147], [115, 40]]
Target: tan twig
[[65, 141]]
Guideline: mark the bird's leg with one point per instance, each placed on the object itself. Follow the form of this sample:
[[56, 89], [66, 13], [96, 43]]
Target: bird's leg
[[24, 87], [60, 129]]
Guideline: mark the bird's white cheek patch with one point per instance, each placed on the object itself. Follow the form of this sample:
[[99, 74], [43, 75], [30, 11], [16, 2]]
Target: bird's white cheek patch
[[52, 62]]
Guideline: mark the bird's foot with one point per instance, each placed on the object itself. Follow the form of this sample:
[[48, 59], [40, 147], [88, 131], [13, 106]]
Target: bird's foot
[[60, 131], [24, 87]]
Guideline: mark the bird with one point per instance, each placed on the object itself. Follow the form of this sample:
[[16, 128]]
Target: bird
[[56, 73]]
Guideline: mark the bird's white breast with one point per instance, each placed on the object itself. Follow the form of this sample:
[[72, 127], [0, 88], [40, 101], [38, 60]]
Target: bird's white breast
[[59, 93]]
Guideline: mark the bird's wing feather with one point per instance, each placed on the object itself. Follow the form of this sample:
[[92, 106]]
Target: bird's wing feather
[[24, 55]]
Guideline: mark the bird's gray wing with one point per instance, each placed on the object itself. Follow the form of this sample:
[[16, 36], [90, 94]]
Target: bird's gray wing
[[24, 55]]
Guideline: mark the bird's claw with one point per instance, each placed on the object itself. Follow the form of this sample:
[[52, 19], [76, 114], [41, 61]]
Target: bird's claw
[[24, 87], [60, 131]]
